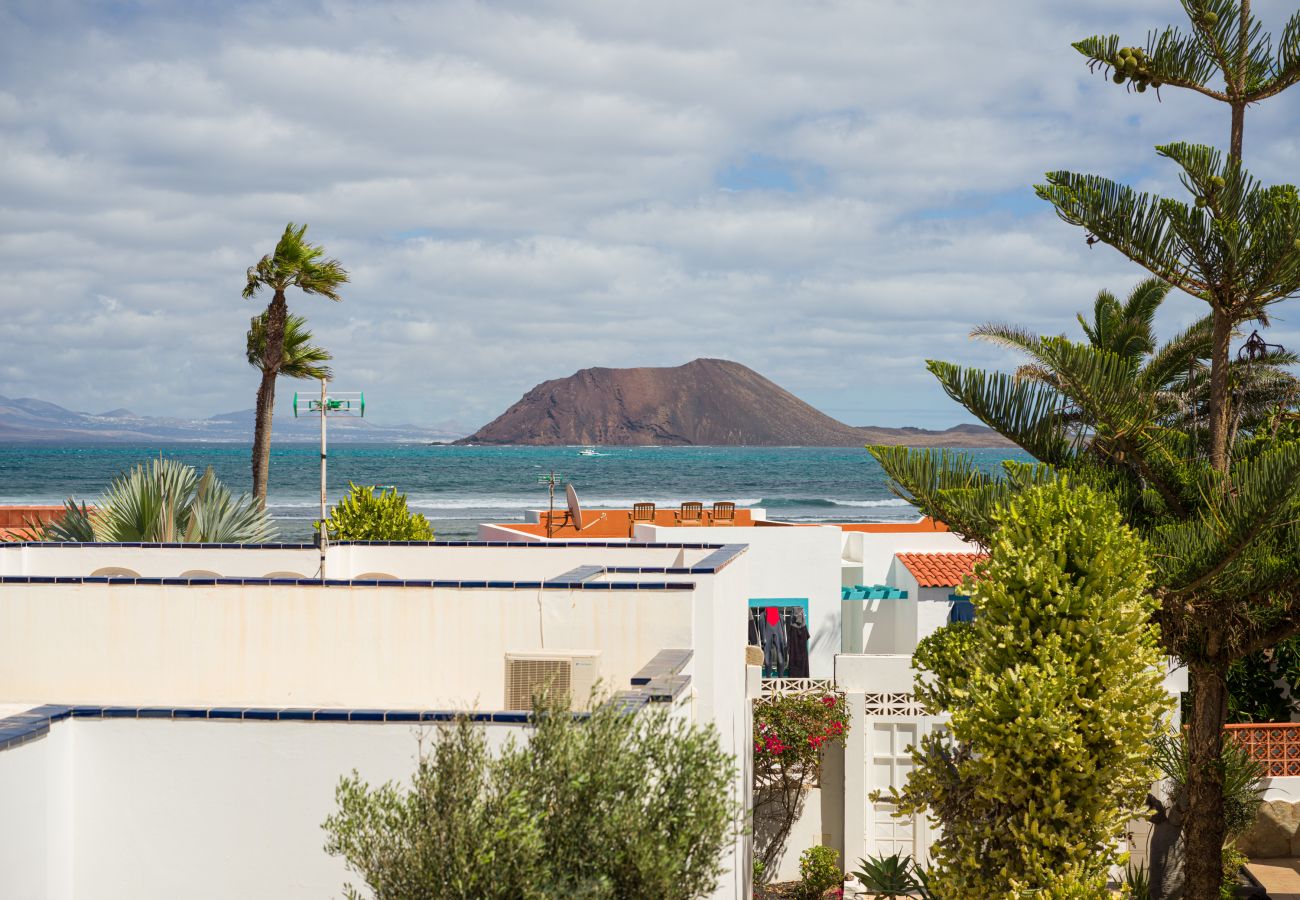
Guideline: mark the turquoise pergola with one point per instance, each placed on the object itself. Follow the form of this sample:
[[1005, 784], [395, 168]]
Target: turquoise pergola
[[872, 592]]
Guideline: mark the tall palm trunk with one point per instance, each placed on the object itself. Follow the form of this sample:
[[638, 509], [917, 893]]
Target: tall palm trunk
[[273, 354], [262, 436]]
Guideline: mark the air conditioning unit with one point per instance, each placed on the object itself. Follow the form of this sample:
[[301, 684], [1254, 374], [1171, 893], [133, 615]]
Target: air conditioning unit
[[570, 673]]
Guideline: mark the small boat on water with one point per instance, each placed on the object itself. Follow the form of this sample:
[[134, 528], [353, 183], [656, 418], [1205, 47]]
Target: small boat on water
[[589, 451]]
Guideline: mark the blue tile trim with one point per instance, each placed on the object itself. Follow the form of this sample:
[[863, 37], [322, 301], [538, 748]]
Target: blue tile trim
[[34, 723], [552, 585], [540, 545]]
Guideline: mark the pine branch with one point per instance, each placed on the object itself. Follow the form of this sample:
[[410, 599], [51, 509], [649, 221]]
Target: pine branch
[[1286, 69], [1259, 493], [1134, 224], [1028, 413], [1285, 621], [928, 478], [1173, 59]]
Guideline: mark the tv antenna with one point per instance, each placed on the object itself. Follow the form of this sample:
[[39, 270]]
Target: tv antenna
[[347, 403], [550, 481]]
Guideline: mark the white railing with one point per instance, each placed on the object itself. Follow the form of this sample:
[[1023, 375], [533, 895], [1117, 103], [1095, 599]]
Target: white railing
[[893, 704], [786, 687]]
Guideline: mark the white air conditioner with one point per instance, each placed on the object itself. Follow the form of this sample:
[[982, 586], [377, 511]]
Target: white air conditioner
[[572, 673]]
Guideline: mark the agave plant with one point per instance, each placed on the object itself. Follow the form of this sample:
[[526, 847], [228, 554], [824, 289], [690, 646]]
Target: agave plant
[[887, 876], [164, 501]]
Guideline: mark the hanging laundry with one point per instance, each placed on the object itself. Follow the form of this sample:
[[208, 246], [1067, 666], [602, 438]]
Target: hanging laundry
[[797, 641], [775, 654]]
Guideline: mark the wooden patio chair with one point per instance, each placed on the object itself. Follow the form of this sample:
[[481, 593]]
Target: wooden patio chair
[[723, 514], [691, 514], [641, 512]]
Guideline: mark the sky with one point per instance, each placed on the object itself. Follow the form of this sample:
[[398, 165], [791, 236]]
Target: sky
[[828, 192]]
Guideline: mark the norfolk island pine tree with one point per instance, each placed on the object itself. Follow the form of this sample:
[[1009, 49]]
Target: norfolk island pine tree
[[1221, 517]]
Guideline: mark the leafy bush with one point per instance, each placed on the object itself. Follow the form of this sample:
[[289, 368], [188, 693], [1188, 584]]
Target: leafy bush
[[819, 870], [1243, 777], [607, 806], [1233, 861], [1054, 694], [162, 501], [790, 733], [363, 515], [1264, 686]]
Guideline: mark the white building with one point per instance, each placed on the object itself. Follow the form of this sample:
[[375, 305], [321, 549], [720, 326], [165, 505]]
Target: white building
[[168, 710], [175, 718]]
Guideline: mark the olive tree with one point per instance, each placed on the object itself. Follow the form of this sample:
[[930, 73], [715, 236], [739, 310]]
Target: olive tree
[[606, 805]]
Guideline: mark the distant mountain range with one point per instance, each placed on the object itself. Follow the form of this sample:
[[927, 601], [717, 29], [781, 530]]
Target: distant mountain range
[[40, 422], [704, 402]]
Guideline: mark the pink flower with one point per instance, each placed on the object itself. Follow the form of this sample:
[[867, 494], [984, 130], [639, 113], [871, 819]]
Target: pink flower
[[829, 701]]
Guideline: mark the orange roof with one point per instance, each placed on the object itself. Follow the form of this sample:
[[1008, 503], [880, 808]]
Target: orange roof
[[925, 523], [940, 569]]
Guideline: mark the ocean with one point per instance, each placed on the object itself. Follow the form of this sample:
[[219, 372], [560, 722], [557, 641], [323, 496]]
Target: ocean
[[457, 487]]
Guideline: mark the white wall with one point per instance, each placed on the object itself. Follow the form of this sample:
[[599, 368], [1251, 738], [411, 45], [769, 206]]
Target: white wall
[[36, 852], [414, 562], [311, 646], [874, 673], [1286, 788], [196, 809], [186, 808], [784, 563]]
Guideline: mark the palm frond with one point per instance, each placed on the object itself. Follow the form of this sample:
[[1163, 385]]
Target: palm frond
[[301, 359]]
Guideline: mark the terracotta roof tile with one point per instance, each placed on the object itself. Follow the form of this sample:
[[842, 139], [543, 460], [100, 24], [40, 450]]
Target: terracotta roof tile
[[940, 569]]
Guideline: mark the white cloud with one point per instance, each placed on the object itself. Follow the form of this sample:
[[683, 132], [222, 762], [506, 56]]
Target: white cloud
[[828, 191]]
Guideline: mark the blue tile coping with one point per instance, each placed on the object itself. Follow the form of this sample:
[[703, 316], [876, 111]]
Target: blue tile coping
[[658, 681], [579, 578], [34, 723], [475, 584], [526, 545]]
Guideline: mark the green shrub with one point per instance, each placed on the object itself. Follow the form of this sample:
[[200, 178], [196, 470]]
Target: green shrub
[[1137, 882], [1233, 861], [819, 870], [1243, 777], [604, 807], [887, 876], [363, 515], [1054, 692]]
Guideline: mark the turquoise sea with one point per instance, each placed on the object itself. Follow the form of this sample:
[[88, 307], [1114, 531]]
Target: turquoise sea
[[458, 487]]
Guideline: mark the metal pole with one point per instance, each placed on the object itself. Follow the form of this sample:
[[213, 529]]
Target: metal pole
[[324, 531], [550, 515]]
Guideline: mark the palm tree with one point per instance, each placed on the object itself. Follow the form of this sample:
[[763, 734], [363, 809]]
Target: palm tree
[[163, 501], [1174, 374], [295, 263], [299, 360]]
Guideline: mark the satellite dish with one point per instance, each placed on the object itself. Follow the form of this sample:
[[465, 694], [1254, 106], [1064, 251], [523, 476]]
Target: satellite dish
[[575, 510]]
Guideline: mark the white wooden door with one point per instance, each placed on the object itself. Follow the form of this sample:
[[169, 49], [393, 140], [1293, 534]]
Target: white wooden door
[[889, 762]]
